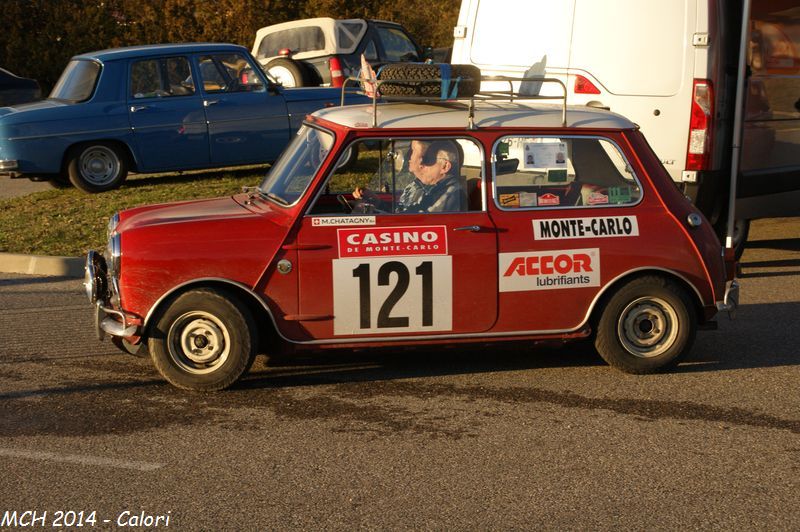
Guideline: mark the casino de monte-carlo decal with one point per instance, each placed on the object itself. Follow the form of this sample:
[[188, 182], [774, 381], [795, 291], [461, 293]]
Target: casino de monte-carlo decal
[[549, 270], [392, 280]]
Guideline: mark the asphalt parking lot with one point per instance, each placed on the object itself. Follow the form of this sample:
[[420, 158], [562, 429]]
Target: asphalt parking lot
[[482, 439]]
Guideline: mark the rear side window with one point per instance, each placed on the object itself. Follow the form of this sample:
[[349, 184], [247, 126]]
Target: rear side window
[[296, 39], [397, 45], [546, 172], [161, 78], [77, 82]]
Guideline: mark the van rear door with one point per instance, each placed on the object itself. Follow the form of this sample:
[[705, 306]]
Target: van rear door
[[643, 65]]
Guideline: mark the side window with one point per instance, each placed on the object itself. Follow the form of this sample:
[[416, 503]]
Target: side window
[[146, 79], [371, 52], [397, 45], [404, 176], [541, 172], [160, 78], [228, 73]]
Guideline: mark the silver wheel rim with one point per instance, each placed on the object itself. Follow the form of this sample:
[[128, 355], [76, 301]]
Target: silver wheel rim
[[198, 342], [283, 76], [648, 327], [99, 165]]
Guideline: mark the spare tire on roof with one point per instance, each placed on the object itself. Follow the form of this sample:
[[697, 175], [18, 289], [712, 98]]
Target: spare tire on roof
[[436, 80]]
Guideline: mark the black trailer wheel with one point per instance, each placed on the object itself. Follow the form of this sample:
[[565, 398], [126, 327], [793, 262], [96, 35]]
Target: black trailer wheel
[[421, 79], [647, 325], [204, 340]]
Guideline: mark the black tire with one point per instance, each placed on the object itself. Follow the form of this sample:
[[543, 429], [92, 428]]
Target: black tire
[[648, 324], [97, 167], [422, 79], [289, 73], [741, 230], [203, 341]]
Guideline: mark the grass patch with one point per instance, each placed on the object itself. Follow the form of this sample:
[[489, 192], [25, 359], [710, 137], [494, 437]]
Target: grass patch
[[70, 222]]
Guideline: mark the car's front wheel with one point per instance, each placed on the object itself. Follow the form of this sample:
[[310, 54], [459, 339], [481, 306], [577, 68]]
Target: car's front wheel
[[646, 325], [97, 167], [204, 340]]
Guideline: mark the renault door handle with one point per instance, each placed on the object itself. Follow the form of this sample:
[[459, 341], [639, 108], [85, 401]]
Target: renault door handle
[[209, 103], [136, 108], [470, 228]]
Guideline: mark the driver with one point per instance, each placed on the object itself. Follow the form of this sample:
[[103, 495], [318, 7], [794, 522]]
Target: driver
[[437, 183]]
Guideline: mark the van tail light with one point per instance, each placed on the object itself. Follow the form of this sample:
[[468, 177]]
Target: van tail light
[[337, 77], [584, 86], [285, 52], [701, 126]]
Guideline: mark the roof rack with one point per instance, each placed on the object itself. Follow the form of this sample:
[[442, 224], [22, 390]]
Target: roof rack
[[482, 96]]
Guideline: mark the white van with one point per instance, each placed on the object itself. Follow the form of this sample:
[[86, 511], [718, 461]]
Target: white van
[[671, 67]]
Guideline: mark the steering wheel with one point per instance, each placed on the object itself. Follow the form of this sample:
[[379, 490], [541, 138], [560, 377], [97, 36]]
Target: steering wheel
[[346, 205]]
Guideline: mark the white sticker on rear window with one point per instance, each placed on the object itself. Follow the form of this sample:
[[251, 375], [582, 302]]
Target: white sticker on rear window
[[595, 227]]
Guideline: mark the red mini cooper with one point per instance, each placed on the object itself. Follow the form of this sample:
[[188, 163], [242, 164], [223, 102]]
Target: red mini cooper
[[460, 221]]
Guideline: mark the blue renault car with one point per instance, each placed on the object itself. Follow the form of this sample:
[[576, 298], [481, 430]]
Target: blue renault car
[[153, 109]]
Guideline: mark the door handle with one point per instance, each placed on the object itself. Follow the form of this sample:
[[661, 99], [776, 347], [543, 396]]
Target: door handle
[[470, 228], [136, 108], [209, 103]]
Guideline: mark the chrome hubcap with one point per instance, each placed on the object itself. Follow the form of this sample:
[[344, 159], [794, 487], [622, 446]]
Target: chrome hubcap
[[99, 165], [648, 327], [198, 342]]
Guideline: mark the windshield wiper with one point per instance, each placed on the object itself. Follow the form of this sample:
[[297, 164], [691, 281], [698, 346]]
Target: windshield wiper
[[274, 197]]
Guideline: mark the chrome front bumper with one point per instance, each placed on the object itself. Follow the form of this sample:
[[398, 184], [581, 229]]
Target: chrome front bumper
[[107, 325], [731, 301], [106, 319]]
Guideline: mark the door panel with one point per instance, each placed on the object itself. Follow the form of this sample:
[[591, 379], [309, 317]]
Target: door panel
[[403, 274], [246, 123], [166, 115]]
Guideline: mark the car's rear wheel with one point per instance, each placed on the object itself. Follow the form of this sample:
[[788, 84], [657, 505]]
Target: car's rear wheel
[[204, 340], [97, 167], [647, 325], [288, 73], [422, 79]]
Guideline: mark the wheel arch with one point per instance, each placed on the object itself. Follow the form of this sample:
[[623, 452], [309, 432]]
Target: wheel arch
[[125, 149], [255, 304], [600, 300]]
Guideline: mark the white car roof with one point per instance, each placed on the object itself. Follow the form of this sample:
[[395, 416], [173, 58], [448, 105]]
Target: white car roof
[[329, 27], [487, 114]]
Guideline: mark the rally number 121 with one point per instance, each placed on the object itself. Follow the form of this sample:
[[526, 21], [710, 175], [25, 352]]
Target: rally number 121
[[385, 271]]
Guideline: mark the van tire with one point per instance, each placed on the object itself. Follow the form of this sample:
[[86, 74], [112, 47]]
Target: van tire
[[422, 79]]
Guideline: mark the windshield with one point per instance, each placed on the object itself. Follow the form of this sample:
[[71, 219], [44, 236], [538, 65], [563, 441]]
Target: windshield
[[289, 177], [77, 82]]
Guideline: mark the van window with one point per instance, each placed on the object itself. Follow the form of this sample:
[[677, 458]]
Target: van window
[[519, 33], [548, 172], [644, 55]]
